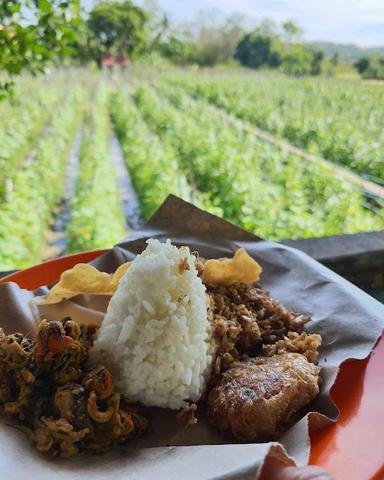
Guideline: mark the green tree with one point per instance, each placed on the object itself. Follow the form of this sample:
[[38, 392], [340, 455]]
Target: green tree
[[335, 60], [362, 64], [297, 60], [258, 50], [178, 51], [300, 60], [231, 33], [291, 31], [317, 61], [207, 41], [217, 38], [375, 69], [209, 54], [33, 33], [158, 24], [118, 28]]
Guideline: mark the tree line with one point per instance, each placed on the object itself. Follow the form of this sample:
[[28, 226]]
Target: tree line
[[126, 28], [37, 33]]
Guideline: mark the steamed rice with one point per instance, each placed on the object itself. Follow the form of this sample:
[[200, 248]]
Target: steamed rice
[[155, 335]]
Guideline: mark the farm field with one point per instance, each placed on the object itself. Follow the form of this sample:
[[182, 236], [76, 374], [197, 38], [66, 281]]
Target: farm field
[[343, 121], [58, 175]]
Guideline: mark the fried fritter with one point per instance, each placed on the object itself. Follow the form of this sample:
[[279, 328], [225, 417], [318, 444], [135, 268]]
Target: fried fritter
[[254, 399]]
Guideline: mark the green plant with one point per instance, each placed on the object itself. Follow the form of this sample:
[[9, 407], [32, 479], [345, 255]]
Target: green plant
[[23, 121], [254, 184], [97, 219], [38, 185], [33, 34], [118, 27], [153, 165], [341, 120]]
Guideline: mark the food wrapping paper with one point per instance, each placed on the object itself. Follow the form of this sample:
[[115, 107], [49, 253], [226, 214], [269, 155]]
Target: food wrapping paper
[[349, 321]]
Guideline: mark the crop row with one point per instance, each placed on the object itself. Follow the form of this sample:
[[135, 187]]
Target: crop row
[[254, 184], [37, 187], [153, 164], [341, 120], [173, 141], [97, 218], [22, 121]]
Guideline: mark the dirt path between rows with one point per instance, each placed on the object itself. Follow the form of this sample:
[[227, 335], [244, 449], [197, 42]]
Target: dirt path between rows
[[57, 235], [129, 201]]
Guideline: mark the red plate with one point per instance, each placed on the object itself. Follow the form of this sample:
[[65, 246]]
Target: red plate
[[353, 448]]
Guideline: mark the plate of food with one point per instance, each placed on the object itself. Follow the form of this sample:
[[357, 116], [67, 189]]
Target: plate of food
[[191, 350]]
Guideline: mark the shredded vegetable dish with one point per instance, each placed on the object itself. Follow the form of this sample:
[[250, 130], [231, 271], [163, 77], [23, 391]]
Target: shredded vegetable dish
[[65, 407]]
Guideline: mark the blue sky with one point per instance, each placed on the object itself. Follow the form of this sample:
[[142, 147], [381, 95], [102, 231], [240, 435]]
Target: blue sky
[[344, 21]]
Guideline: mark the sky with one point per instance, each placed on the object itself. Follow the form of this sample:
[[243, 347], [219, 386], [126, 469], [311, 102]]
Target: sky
[[342, 21]]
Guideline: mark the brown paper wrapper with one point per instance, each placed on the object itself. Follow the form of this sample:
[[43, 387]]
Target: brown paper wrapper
[[349, 321]]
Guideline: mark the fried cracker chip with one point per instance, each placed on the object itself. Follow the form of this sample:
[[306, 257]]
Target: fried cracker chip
[[84, 279], [240, 269], [119, 273]]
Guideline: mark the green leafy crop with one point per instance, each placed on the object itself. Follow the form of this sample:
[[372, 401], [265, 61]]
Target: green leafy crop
[[97, 218]]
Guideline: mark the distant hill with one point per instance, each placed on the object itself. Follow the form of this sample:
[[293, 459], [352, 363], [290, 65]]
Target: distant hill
[[347, 52]]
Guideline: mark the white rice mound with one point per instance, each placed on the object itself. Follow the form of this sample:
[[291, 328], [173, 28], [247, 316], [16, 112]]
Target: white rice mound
[[155, 337]]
